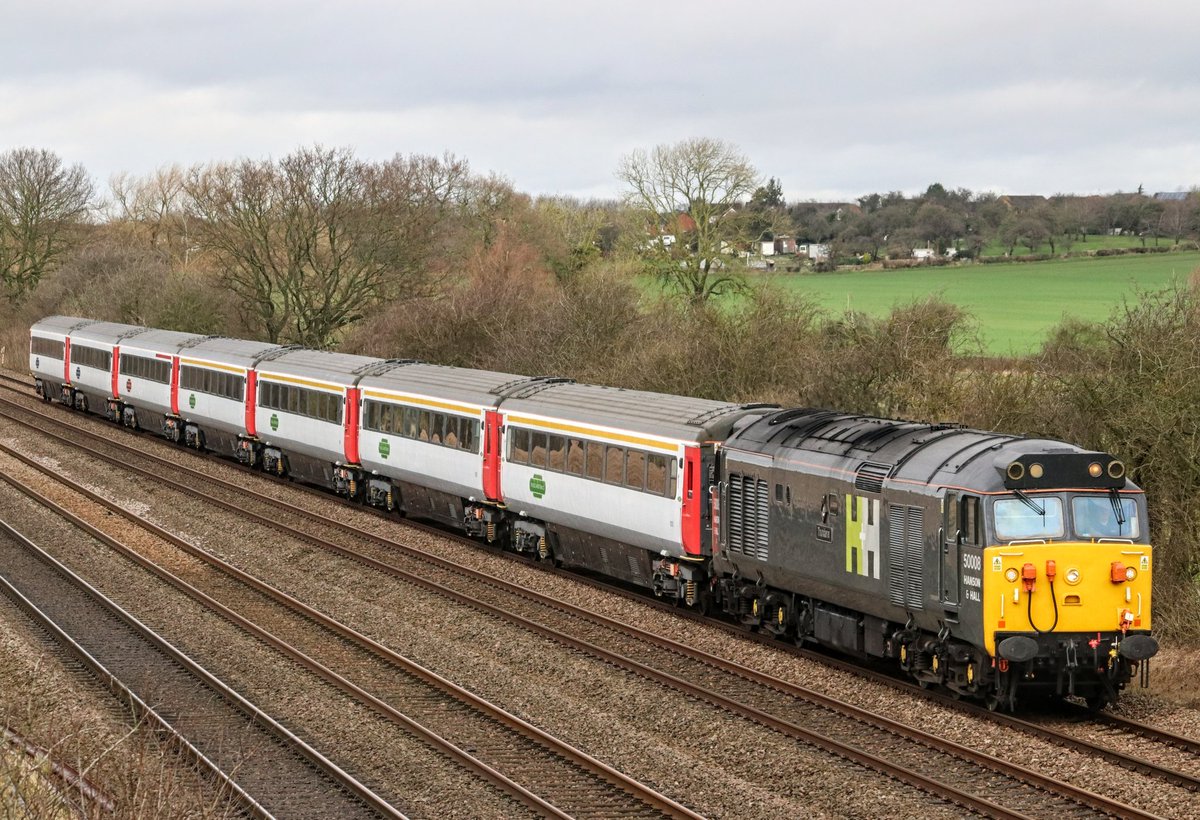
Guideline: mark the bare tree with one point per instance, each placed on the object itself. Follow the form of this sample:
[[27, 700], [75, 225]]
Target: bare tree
[[153, 210], [311, 242], [692, 192], [42, 203]]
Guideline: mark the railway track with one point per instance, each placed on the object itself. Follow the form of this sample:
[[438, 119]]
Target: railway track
[[783, 706], [269, 770], [569, 783]]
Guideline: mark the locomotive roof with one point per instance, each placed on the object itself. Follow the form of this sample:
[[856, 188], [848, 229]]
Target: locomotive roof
[[59, 325], [660, 414], [454, 383], [339, 368], [916, 456], [221, 350]]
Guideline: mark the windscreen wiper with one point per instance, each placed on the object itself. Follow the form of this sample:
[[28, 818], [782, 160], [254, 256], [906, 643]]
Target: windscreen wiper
[[1030, 503], [1114, 498]]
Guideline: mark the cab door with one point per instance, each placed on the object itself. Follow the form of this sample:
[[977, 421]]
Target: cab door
[[952, 538]]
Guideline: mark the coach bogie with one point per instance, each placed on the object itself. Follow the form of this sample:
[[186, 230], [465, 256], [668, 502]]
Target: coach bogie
[[193, 436], [682, 580], [129, 417], [381, 493], [347, 481], [486, 522], [248, 451], [529, 536], [274, 461]]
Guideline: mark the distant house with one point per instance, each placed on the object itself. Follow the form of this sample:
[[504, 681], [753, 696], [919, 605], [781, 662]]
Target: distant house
[[767, 247], [1172, 196], [813, 250], [924, 253], [785, 245]]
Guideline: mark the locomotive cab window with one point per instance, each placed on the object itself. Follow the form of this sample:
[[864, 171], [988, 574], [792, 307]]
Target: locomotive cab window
[[1100, 517], [1040, 518]]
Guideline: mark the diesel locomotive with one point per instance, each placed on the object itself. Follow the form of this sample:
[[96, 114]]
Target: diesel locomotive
[[1002, 568]]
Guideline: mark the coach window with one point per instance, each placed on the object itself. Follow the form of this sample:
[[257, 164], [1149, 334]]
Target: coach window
[[656, 473], [538, 442], [453, 424], [558, 453], [635, 470], [470, 434], [437, 427], [575, 456], [518, 448], [595, 460], [614, 465], [423, 425]]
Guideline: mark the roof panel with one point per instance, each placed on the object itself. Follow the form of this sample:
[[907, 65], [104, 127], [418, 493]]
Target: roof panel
[[659, 414], [439, 381]]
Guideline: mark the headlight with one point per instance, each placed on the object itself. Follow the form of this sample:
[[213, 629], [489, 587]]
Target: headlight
[[1072, 576], [1012, 575], [1130, 573]]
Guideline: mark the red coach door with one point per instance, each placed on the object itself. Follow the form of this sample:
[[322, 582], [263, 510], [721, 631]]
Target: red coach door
[[693, 499], [251, 397], [175, 385], [350, 425], [116, 372], [67, 359], [491, 456]]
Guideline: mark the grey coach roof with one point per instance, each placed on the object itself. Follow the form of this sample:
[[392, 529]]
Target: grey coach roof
[[109, 333], [163, 341], [660, 414], [341, 368], [60, 325], [440, 381], [235, 352]]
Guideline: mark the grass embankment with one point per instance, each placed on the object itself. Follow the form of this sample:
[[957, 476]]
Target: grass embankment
[[1015, 304]]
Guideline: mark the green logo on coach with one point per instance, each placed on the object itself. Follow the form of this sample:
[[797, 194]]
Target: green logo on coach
[[192, 401], [537, 485], [384, 448], [274, 422]]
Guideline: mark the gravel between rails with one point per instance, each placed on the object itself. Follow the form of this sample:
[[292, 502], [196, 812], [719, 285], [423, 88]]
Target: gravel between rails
[[488, 652], [60, 707], [420, 781]]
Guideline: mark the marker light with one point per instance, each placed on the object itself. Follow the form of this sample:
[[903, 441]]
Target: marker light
[[1012, 575], [1072, 576], [1095, 470], [1036, 471], [1130, 573]]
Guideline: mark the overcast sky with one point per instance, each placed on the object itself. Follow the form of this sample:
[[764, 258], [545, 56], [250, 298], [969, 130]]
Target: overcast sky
[[834, 99]]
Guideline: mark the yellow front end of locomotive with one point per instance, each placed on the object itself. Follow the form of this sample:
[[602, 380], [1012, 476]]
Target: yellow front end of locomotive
[[1097, 587]]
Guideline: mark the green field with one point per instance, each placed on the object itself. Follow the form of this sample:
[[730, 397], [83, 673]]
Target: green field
[[1094, 242], [1015, 304]]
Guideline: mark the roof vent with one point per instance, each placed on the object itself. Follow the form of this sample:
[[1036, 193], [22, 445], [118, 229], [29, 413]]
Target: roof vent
[[870, 476]]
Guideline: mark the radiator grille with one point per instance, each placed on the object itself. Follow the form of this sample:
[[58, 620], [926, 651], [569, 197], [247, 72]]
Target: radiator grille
[[906, 579], [749, 514]]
